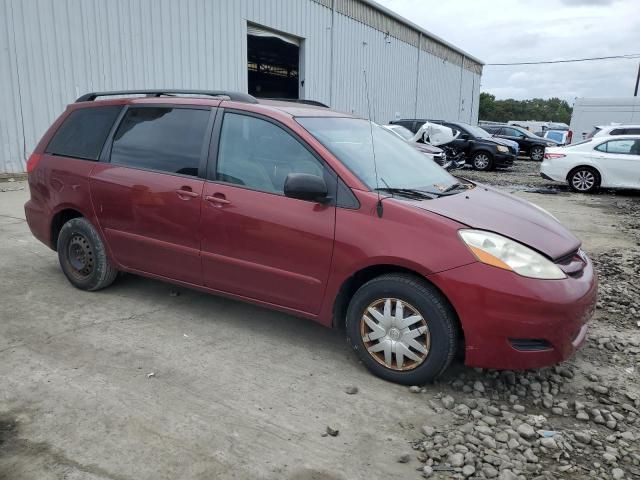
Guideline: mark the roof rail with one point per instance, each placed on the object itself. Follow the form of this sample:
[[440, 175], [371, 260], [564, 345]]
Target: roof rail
[[297, 100], [235, 96]]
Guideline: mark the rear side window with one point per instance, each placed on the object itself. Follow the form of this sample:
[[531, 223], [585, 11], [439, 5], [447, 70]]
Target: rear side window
[[618, 131], [165, 139], [626, 147], [83, 133]]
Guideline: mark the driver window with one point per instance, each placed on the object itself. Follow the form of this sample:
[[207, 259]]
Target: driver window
[[258, 154]]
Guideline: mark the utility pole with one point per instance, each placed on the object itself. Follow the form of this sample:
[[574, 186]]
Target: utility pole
[[635, 92]]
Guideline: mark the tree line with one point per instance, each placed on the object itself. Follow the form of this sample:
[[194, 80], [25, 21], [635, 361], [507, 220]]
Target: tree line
[[551, 110]]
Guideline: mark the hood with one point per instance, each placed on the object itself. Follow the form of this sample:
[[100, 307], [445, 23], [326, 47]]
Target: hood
[[426, 148], [503, 141], [487, 209]]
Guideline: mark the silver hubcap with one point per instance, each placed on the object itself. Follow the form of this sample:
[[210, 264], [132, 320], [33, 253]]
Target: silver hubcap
[[583, 180], [537, 154], [395, 334], [481, 161]]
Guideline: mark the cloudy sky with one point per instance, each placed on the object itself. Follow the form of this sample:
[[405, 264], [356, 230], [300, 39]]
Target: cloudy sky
[[503, 31]]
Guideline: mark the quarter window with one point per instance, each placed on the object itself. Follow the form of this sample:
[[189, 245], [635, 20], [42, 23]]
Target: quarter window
[[258, 154], [625, 147], [83, 133], [165, 139]]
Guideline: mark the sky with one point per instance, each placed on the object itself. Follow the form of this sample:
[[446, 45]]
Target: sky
[[503, 31]]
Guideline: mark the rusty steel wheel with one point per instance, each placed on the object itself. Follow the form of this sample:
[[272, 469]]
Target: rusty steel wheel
[[395, 334], [80, 255]]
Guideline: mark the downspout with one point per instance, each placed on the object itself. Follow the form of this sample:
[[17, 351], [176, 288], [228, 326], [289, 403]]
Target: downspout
[[460, 94], [333, 41], [415, 110]]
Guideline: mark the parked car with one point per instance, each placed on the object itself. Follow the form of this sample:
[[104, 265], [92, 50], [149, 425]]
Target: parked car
[[612, 130], [528, 143], [433, 153], [288, 206], [612, 162], [482, 151], [559, 137]]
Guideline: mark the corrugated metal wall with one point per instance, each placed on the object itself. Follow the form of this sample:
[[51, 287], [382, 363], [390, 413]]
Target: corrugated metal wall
[[53, 51]]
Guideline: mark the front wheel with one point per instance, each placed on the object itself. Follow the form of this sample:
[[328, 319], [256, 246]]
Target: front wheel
[[537, 154], [482, 161], [83, 257], [402, 329]]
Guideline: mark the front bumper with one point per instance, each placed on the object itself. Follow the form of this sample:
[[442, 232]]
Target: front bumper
[[503, 160], [514, 322]]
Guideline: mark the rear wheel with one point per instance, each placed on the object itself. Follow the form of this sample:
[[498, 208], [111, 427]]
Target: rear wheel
[[482, 161], [82, 256], [402, 329], [584, 179], [537, 154]]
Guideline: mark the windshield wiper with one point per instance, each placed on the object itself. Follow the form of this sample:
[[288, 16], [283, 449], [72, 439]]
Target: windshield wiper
[[409, 192]]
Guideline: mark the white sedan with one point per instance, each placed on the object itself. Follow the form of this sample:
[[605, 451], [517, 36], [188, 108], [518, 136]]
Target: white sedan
[[610, 162]]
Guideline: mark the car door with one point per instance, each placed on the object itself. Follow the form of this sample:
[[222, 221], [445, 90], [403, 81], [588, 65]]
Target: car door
[[516, 136], [256, 242], [464, 140], [620, 162], [147, 193]]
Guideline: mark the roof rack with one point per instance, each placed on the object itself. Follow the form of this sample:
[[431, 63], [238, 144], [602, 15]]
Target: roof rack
[[297, 100], [235, 96]]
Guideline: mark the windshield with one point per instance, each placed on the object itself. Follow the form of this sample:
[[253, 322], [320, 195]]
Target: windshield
[[405, 133], [399, 165], [476, 131]]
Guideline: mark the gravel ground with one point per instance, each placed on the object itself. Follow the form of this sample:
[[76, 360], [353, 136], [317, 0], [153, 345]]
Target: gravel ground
[[138, 383]]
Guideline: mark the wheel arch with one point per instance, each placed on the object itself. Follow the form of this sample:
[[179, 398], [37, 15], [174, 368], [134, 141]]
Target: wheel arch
[[351, 284], [585, 165], [61, 217]]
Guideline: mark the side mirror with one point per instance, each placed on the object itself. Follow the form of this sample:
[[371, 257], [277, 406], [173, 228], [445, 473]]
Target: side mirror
[[304, 186], [464, 136]]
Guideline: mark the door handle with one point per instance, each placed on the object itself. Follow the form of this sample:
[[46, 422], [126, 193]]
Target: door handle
[[185, 193], [217, 198]]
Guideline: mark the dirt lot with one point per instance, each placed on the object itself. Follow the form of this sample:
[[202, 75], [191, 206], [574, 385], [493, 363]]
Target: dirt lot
[[146, 381]]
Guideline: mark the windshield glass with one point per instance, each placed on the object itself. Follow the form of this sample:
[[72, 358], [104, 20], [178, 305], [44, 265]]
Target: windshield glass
[[476, 131], [399, 165], [405, 133]]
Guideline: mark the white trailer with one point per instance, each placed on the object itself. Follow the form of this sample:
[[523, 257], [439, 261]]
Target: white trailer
[[591, 112]]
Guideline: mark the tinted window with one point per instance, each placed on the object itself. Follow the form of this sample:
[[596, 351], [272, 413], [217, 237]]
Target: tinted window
[[165, 139], [511, 132], [627, 147], [556, 136], [83, 133], [491, 130], [633, 131], [618, 131], [258, 154]]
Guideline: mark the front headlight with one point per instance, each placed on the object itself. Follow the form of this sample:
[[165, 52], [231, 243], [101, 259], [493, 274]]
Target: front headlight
[[551, 144], [498, 251], [503, 149]]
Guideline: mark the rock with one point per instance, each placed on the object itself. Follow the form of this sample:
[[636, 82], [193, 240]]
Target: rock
[[404, 458], [462, 409], [582, 415], [427, 471], [526, 431], [456, 460], [351, 390], [469, 470], [448, 402], [617, 473], [628, 436], [428, 431], [414, 389], [334, 432], [489, 442], [489, 471], [502, 437], [583, 437], [530, 456], [507, 475], [609, 457], [478, 386], [519, 408], [513, 443], [549, 442]]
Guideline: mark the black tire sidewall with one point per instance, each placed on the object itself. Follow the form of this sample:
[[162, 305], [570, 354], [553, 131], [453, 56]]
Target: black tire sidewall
[[101, 266], [431, 306], [536, 149]]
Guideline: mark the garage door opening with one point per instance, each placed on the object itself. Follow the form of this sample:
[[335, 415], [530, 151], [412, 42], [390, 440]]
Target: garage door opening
[[273, 61]]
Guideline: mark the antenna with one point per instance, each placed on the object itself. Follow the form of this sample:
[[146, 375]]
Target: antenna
[[379, 208]]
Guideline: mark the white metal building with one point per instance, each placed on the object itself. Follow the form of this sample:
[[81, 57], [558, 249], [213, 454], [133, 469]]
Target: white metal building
[[591, 112], [51, 52]]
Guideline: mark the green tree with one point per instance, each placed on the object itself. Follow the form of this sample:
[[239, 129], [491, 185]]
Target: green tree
[[551, 110]]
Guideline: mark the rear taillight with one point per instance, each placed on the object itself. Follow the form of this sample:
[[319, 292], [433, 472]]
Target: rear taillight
[[549, 156], [32, 163], [569, 136]]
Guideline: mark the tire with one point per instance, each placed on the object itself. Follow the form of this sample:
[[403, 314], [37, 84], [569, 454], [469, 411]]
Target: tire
[[482, 161], [438, 325], [82, 256], [537, 154], [584, 179]]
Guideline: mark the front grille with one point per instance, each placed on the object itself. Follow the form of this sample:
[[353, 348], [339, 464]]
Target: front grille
[[530, 344]]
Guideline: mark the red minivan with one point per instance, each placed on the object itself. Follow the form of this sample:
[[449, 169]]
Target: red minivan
[[315, 213]]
